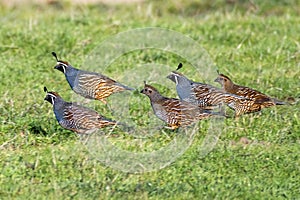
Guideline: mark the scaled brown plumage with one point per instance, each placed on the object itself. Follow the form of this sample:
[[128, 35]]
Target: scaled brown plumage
[[255, 100], [75, 117], [205, 95], [174, 112], [89, 84]]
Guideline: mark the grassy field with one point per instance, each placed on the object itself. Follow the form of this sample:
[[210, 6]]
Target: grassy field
[[254, 42]]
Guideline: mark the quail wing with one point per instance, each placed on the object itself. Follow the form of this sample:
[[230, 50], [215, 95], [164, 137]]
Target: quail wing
[[82, 119]]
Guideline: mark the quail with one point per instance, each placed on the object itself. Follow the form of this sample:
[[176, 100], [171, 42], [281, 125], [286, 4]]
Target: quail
[[174, 112], [203, 95], [256, 100], [75, 117], [90, 85]]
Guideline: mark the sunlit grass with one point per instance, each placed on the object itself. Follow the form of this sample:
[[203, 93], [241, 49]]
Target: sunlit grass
[[255, 44]]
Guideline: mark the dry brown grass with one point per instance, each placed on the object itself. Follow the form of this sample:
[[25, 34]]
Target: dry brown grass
[[11, 3]]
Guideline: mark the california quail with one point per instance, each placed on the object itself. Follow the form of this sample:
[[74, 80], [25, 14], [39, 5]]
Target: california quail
[[89, 84], [75, 117], [257, 100], [173, 111], [203, 95]]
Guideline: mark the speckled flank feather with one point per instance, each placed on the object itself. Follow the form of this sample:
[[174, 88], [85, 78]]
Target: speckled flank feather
[[75, 117], [89, 84], [179, 113], [207, 95], [81, 119], [96, 86], [255, 100], [174, 112], [204, 95]]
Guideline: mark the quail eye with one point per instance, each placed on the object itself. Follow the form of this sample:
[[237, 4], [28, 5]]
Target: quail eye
[[150, 91], [146, 89]]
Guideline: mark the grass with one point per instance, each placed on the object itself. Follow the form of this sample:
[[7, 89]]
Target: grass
[[256, 43]]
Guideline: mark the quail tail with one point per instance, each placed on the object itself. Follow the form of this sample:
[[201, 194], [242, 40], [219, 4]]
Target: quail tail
[[109, 122], [124, 86], [278, 102]]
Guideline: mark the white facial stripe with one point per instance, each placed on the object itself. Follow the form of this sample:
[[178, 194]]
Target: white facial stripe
[[52, 96], [52, 99], [176, 80], [64, 66]]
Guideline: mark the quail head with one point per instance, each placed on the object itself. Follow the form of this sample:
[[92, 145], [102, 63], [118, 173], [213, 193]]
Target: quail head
[[256, 99], [174, 112], [90, 85], [203, 95], [75, 117]]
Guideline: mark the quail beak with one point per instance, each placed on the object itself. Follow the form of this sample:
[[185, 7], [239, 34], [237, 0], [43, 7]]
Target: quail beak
[[57, 66], [217, 80], [171, 77], [61, 68], [142, 91], [47, 98]]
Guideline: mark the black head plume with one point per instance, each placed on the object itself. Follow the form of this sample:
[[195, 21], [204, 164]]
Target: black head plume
[[218, 71], [60, 65], [45, 89], [55, 56], [179, 66], [142, 91]]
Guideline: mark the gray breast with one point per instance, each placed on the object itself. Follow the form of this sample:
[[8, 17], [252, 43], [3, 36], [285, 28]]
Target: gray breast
[[184, 91], [159, 111]]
